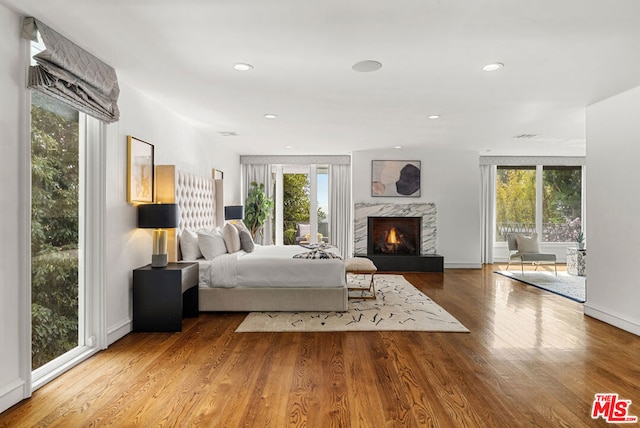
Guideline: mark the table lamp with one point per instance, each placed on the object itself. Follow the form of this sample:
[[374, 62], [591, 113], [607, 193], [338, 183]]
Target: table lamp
[[158, 217], [234, 212]]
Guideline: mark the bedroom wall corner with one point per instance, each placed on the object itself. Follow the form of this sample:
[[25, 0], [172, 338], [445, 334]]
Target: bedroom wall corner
[[15, 313], [175, 142]]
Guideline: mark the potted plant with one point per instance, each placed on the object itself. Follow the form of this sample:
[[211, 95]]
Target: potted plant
[[580, 240], [257, 208]]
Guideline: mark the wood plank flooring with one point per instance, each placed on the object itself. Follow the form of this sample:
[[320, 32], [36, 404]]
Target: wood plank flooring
[[532, 359]]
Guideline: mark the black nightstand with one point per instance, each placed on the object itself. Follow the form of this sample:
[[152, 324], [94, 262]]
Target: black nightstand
[[163, 296]]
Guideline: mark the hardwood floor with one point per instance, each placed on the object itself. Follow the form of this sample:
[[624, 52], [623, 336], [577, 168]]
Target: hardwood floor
[[532, 359]]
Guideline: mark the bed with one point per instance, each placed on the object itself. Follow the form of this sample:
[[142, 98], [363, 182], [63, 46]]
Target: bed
[[268, 278]]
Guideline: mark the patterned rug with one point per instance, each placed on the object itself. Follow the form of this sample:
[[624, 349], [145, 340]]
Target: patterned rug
[[399, 306], [570, 286]]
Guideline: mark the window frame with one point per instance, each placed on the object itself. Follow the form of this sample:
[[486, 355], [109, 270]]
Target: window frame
[[539, 168], [91, 275]]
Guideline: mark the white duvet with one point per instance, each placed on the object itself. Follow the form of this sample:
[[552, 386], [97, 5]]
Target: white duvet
[[271, 266]]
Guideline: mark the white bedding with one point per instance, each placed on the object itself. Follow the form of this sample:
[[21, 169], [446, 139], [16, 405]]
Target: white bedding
[[271, 266]]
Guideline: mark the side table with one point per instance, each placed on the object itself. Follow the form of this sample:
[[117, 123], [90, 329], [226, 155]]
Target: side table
[[163, 296], [576, 261]]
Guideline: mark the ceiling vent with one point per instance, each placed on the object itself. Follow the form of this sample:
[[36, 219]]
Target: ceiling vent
[[228, 134], [525, 136]]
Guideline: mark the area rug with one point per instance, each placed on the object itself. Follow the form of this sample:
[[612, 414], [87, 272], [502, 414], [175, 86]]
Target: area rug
[[570, 286], [399, 306]]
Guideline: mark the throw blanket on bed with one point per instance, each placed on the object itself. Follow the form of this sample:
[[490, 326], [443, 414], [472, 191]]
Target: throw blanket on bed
[[317, 254]]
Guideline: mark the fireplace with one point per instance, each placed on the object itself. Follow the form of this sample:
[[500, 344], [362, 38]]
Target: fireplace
[[415, 224], [394, 235]]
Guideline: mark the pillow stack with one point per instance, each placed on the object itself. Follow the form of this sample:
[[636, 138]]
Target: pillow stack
[[215, 242]]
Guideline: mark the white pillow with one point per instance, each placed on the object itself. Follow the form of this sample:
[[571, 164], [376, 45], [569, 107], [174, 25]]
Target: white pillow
[[211, 243], [189, 245], [527, 244], [231, 238]]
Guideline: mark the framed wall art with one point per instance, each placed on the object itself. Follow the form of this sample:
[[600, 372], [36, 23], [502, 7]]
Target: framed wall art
[[217, 174], [139, 171], [395, 178]]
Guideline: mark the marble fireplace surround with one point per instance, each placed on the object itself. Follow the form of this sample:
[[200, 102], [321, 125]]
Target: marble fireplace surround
[[427, 211]]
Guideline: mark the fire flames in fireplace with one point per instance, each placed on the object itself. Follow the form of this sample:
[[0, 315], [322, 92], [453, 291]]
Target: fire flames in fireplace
[[394, 235], [395, 242]]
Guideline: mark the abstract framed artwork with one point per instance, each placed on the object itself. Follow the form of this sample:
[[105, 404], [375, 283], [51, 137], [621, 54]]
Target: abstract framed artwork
[[393, 178], [139, 171]]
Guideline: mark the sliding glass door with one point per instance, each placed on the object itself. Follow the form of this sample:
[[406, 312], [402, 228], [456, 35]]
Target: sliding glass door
[[65, 237], [304, 203], [56, 228]]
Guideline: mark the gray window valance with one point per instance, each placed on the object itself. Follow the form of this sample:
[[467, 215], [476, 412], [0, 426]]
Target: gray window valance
[[71, 74]]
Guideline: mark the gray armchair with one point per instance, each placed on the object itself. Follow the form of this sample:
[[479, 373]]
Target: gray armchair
[[526, 249], [302, 232]]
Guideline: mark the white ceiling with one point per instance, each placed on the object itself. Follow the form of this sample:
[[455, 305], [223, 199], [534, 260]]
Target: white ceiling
[[559, 56]]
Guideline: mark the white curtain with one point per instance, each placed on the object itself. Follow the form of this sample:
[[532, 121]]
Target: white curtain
[[260, 173], [340, 208], [487, 214]]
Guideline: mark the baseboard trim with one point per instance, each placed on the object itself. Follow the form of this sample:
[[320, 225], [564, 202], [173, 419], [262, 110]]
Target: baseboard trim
[[12, 393], [611, 319], [119, 330], [463, 265]]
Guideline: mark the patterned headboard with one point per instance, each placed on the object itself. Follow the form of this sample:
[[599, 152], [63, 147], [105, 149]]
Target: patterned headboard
[[196, 199], [199, 198]]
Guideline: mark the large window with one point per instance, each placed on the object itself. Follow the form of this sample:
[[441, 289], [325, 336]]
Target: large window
[[542, 199]]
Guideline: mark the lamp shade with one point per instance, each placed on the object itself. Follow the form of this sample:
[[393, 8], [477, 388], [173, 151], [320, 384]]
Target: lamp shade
[[157, 216], [234, 212]]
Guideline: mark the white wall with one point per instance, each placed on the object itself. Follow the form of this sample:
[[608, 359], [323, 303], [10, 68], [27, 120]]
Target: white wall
[[13, 220], [451, 179], [613, 210], [175, 142]]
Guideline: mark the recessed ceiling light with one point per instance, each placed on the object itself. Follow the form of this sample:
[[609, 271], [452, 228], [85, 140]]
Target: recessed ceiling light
[[493, 66], [243, 67], [397, 147], [434, 116], [270, 116], [288, 146], [367, 66]]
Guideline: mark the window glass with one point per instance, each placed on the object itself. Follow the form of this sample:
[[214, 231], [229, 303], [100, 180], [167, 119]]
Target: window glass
[[323, 203], [55, 228], [561, 203], [515, 201], [296, 205]]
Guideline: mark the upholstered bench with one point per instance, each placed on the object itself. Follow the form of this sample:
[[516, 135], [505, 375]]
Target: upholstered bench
[[361, 266]]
